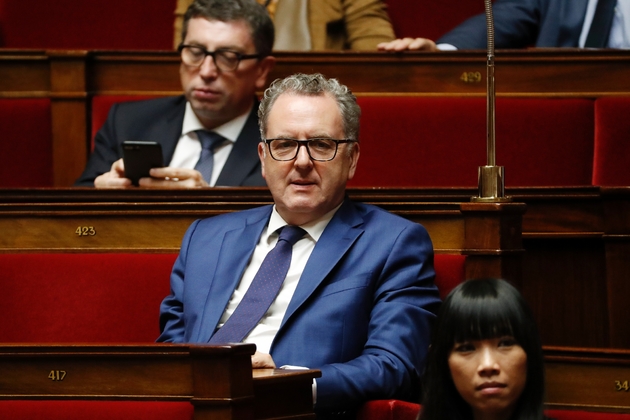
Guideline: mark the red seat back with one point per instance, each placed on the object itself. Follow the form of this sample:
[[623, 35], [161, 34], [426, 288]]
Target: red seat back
[[611, 161], [101, 105], [441, 142], [100, 298], [429, 20], [26, 143], [96, 410], [71, 24], [449, 272]]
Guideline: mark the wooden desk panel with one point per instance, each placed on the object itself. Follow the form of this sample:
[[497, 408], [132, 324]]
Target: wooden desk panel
[[593, 379], [217, 380], [536, 72]]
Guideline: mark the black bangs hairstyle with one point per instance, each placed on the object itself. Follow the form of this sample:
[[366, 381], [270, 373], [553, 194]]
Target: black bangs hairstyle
[[478, 310]]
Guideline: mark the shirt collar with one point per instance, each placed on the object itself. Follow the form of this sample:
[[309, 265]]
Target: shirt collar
[[230, 130], [314, 228]]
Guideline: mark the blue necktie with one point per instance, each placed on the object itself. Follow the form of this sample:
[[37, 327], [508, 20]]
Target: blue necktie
[[602, 22], [263, 290], [209, 140]]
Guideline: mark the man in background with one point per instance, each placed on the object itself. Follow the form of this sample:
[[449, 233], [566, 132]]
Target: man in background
[[355, 297], [536, 23], [316, 25], [209, 134]]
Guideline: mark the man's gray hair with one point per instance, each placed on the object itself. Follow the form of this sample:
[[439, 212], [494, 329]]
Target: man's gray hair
[[313, 85]]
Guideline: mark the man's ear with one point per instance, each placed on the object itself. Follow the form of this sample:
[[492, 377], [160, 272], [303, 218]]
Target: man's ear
[[261, 155], [264, 68], [354, 160]]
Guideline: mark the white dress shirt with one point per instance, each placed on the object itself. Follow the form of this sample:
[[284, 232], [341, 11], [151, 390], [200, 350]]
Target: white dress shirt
[[263, 334], [188, 147]]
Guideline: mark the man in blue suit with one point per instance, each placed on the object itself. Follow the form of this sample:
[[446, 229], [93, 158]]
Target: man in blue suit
[[358, 299], [525, 23], [225, 60]]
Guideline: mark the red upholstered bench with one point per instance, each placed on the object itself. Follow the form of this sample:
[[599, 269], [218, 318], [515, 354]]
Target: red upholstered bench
[[416, 19], [440, 142], [96, 410], [89, 298], [402, 410], [106, 298], [25, 143], [70, 24], [449, 272], [612, 142]]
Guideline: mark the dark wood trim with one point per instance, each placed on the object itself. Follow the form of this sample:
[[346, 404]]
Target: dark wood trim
[[217, 380]]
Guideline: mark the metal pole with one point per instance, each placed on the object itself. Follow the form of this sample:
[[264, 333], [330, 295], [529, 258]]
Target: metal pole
[[490, 177]]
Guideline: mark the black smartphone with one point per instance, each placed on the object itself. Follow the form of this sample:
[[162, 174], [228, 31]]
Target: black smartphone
[[139, 157]]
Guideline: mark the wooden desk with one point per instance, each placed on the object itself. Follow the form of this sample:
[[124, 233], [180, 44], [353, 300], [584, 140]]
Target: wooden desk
[[88, 220], [217, 380], [592, 379]]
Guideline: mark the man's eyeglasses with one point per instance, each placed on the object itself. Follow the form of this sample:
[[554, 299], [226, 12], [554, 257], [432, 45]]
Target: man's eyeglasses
[[225, 60], [321, 150]]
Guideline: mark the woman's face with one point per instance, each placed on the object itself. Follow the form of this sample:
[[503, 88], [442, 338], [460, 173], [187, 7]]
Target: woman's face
[[489, 374]]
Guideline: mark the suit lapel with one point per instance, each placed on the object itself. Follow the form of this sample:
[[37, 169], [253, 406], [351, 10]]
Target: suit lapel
[[243, 158], [342, 231], [168, 129], [236, 249]]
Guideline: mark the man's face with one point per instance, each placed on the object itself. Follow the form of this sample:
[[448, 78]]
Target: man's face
[[219, 96], [303, 189]]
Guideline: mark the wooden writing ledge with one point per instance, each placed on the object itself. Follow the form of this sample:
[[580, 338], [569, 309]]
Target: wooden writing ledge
[[590, 379], [217, 380]]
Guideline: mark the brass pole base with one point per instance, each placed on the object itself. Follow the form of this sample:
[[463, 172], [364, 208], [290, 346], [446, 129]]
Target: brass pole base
[[491, 185]]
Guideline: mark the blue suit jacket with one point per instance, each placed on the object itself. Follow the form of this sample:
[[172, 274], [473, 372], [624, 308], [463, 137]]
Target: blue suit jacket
[[523, 23], [361, 311], [161, 120]]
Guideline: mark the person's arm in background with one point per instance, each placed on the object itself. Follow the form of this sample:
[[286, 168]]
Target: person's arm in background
[[516, 25], [105, 153], [367, 24]]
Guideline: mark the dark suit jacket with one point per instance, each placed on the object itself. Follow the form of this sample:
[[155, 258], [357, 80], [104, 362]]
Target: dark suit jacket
[[523, 23], [161, 120], [361, 311]]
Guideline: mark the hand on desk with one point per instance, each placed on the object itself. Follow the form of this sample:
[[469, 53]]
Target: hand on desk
[[115, 178], [173, 178], [403, 44], [262, 361]]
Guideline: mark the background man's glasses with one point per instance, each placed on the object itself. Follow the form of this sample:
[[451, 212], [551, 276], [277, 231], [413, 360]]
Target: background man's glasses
[[225, 60], [321, 150]]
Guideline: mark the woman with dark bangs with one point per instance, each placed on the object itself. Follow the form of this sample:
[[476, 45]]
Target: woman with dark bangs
[[485, 360]]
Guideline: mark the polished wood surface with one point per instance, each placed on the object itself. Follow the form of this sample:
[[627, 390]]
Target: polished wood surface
[[217, 380], [536, 72], [587, 379], [143, 220]]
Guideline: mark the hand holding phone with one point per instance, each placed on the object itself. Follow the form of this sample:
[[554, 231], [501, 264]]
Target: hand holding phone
[[139, 157]]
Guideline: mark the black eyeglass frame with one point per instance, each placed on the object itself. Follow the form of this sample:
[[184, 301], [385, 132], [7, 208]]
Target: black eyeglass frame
[[305, 143], [206, 53]]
